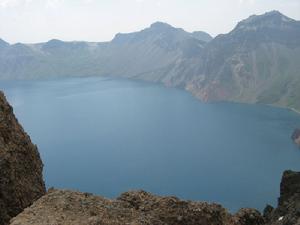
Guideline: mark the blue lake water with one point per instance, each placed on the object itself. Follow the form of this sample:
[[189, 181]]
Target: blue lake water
[[107, 136]]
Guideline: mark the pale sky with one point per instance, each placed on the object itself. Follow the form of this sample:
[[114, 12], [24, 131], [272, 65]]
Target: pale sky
[[31, 21]]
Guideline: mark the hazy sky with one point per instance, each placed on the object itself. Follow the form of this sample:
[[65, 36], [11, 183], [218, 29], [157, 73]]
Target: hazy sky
[[99, 20]]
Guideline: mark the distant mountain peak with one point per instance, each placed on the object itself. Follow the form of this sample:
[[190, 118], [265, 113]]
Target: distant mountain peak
[[3, 43], [272, 19], [55, 41], [53, 44], [272, 13], [160, 25]]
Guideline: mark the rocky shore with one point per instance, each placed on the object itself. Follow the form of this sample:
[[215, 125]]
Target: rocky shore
[[24, 201]]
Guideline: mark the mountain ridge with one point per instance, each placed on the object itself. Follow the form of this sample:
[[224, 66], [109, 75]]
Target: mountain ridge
[[257, 62]]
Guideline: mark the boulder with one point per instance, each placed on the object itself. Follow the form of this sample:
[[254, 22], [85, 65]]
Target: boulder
[[248, 216], [296, 136]]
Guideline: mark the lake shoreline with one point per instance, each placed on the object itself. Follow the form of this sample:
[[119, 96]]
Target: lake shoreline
[[239, 102], [166, 86], [294, 110]]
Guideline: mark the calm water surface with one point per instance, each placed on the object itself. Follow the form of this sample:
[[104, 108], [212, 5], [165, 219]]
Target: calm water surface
[[107, 136]]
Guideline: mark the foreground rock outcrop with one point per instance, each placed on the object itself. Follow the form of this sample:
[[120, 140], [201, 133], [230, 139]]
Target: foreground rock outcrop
[[140, 208], [136, 208], [288, 210], [21, 181], [296, 136]]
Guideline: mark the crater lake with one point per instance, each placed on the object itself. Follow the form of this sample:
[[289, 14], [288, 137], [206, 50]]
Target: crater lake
[[107, 136]]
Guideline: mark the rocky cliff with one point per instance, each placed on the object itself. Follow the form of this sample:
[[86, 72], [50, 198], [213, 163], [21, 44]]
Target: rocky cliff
[[288, 210], [21, 181], [257, 62]]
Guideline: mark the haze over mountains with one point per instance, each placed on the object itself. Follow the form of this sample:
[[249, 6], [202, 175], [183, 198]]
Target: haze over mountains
[[257, 62]]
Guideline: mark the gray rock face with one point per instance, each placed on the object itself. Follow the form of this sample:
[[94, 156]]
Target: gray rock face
[[21, 181], [249, 217], [288, 210], [296, 136], [289, 187]]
